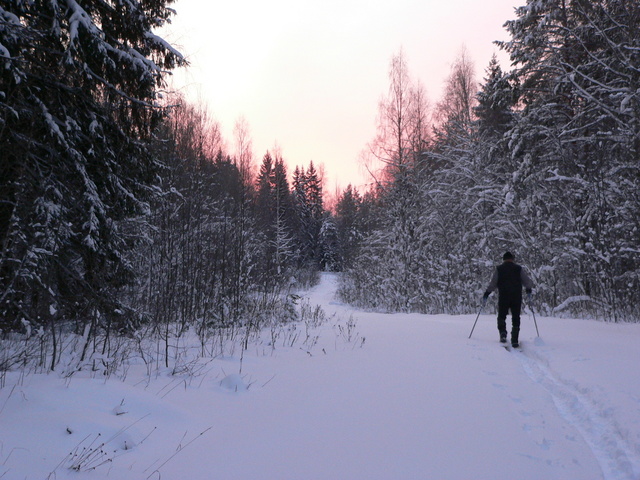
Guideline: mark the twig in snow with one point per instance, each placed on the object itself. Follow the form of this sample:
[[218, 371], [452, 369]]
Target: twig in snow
[[157, 470], [264, 384], [7, 399]]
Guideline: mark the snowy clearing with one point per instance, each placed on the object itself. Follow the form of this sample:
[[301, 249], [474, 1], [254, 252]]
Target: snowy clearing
[[385, 397]]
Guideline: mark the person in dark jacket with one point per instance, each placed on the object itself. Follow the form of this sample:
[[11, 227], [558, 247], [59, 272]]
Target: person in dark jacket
[[509, 278]]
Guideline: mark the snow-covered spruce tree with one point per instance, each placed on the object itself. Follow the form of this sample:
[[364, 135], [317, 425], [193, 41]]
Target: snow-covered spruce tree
[[78, 86], [349, 229], [495, 102], [576, 145], [308, 205], [329, 259], [274, 211]]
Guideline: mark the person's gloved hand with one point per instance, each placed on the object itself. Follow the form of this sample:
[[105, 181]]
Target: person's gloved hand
[[528, 295], [485, 296]]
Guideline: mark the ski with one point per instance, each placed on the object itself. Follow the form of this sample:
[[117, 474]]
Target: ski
[[508, 347]]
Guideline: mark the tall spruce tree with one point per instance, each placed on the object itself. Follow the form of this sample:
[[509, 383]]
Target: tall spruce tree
[[495, 101], [275, 218], [349, 228], [309, 209], [78, 91]]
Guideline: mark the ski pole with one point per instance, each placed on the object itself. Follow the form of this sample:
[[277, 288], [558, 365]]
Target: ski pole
[[534, 316], [484, 301]]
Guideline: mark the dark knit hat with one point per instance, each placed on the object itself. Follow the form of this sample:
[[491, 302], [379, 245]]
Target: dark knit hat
[[508, 256]]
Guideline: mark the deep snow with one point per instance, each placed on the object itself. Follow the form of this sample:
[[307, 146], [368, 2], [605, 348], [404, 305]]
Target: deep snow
[[395, 397]]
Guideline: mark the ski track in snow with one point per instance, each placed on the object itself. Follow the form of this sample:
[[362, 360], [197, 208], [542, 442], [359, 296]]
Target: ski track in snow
[[595, 423]]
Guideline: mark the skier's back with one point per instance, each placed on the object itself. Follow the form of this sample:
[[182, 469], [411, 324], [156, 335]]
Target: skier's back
[[509, 278]]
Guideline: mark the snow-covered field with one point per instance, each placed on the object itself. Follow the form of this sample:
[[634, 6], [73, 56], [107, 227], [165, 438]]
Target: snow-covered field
[[395, 397]]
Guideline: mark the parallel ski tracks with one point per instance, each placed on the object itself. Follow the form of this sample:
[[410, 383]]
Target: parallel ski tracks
[[617, 457]]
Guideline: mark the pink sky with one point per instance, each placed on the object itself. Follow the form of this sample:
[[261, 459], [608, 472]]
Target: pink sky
[[307, 76]]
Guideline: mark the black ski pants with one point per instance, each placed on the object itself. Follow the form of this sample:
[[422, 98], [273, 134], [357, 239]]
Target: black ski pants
[[506, 303]]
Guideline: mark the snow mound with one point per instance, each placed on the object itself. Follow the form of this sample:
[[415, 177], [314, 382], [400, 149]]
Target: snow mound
[[234, 383]]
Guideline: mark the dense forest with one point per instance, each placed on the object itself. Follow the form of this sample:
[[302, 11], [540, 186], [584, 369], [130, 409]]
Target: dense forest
[[124, 211], [542, 160]]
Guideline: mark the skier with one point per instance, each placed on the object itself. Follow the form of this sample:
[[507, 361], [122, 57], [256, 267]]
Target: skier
[[509, 278]]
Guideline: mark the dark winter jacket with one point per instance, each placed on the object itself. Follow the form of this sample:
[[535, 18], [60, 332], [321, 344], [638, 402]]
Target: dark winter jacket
[[509, 278]]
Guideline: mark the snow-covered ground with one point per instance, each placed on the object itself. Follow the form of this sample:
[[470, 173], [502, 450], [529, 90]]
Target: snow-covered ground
[[395, 397]]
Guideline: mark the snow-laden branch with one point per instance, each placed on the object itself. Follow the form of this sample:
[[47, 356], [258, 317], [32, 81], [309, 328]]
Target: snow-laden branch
[[570, 301], [9, 19], [4, 52], [79, 18], [557, 177], [164, 44]]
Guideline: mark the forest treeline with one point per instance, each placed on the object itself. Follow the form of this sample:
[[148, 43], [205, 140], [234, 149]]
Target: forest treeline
[[123, 208], [542, 160]]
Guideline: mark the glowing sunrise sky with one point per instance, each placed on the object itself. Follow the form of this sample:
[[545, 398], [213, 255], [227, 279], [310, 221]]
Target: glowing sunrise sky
[[308, 76]]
